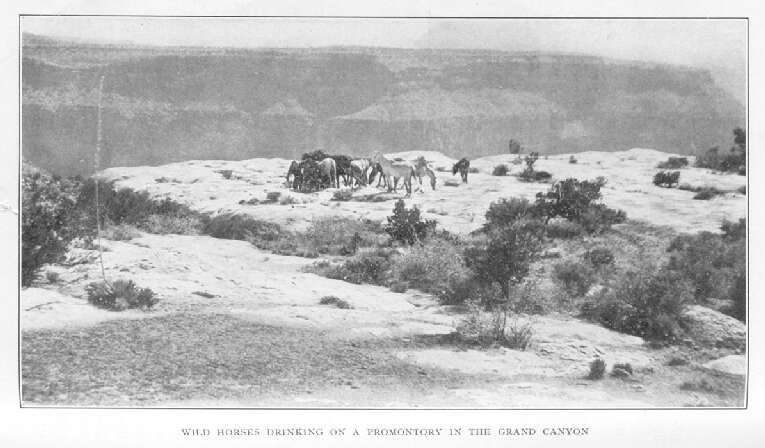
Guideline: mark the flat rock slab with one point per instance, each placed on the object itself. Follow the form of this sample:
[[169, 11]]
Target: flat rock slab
[[733, 364]]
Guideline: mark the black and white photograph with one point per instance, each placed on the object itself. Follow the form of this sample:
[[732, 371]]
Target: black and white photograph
[[363, 213]]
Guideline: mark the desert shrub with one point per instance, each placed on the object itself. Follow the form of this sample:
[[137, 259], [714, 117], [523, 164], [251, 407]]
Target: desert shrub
[[518, 336], [597, 369], [599, 256], [506, 211], [169, 224], [715, 265], [334, 301], [288, 200], [502, 255], [52, 277], [242, 227], [572, 160], [626, 367], [119, 295], [272, 196], [473, 170], [644, 302], [574, 277], [451, 183], [500, 170], [673, 163], [734, 230], [733, 161], [341, 236], [125, 205], [225, 173], [742, 189], [528, 299], [49, 220], [406, 226], [492, 328], [563, 229], [574, 200], [399, 287], [666, 178], [120, 232], [528, 175], [598, 218], [251, 201], [342, 195], [369, 265], [435, 267], [707, 193]]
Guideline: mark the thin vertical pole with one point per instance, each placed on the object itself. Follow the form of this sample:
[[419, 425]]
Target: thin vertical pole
[[97, 165]]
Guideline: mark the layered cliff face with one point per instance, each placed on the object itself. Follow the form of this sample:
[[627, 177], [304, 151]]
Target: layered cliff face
[[171, 104]]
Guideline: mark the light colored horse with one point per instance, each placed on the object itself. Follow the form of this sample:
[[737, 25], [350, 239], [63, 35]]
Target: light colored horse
[[421, 169], [395, 171], [329, 168], [359, 168]]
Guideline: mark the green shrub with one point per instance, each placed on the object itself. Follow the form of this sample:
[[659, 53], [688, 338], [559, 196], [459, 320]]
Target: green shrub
[[52, 277], [715, 265], [562, 229], [272, 196], [119, 295], [645, 303], [367, 266], [574, 277], [506, 211], [435, 267], [502, 255], [707, 193], [173, 224], [120, 232], [49, 220], [599, 256], [406, 226], [597, 369], [342, 195], [574, 200], [334, 301], [673, 163], [500, 170], [242, 227], [342, 236]]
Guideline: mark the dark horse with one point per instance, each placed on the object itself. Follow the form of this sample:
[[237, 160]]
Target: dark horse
[[343, 164], [463, 166]]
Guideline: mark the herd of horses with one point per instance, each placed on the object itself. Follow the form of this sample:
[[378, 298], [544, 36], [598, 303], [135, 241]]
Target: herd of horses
[[326, 171]]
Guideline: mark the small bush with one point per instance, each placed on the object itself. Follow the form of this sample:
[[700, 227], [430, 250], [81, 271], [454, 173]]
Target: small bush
[[562, 229], [272, 196], [451, 183], [399, 287], [120, 232], [742, 189], [666, 178], [673, 163], [598, 218], [734, 161], [506, 211], [225, 173], [734, 231], [338, 235], [599, 256], [367, 266], [405, 225], [342, 195], [574, 200], [643, 303], [528, 175], [500, 170], [627, 367], [518, 336], [473, 170], [575, 278], [597, 369], [251, 201], [242, 227], [435, 267], [178, 225], [288, 200], [334, 301], [52, 277], [119, 295], [707, 193]]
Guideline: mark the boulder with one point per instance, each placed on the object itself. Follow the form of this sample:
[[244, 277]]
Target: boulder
[[711, 328]]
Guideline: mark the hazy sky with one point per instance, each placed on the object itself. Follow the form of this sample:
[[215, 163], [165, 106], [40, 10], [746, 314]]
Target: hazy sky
[[718, 45]]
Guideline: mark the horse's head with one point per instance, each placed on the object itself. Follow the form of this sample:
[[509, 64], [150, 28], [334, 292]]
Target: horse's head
[[455, 168]]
